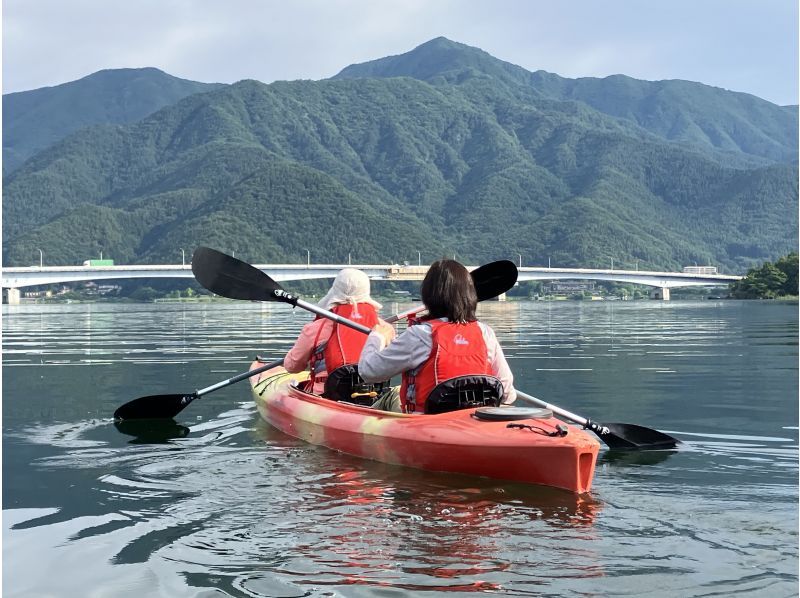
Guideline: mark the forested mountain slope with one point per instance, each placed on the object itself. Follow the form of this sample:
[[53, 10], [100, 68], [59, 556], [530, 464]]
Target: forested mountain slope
[[691, 113], [377, 168], [34, 120]]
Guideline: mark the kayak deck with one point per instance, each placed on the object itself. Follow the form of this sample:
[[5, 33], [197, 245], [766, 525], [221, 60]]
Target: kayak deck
[[455, 442]]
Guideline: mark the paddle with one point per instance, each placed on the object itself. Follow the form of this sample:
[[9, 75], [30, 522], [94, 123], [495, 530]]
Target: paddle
[[229, 277], [616, 436], [168, 406], [235, 279]]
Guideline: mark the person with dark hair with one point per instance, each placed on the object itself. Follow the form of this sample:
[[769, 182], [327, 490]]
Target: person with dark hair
[[448, 360]]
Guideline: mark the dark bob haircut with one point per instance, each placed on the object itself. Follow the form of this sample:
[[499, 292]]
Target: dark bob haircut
[[448, 292]]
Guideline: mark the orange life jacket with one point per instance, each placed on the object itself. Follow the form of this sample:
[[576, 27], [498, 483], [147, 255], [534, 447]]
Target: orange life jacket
[[456, 350], [345, 344]]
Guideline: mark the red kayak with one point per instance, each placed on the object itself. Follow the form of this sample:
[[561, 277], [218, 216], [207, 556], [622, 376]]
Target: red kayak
[[505, 443]]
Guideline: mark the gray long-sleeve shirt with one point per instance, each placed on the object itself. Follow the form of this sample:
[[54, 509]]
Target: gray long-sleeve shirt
[[410, 349]]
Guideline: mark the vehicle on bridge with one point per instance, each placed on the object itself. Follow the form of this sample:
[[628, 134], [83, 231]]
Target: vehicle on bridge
[[699, 269], [98, 263]]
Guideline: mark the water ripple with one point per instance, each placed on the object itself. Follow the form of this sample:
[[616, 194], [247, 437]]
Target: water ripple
[[217, 501]]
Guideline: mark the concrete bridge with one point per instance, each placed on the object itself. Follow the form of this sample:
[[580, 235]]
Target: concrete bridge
[[16, 278], [662, 281]]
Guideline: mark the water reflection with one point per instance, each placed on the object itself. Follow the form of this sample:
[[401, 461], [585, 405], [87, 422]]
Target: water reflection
[[634, 457], [152, 431], [408, 529]]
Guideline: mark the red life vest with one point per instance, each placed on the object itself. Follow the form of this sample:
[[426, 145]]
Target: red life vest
[[456, 350], [345, 344]]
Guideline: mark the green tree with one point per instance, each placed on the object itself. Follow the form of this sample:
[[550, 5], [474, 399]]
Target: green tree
[[789, 266], [144, 294], [764, 282]]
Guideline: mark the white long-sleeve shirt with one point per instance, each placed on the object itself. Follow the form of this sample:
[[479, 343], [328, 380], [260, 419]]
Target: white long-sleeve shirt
[[413, 347]]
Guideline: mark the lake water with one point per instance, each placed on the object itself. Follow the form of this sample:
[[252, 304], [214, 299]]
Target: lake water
[[220, 504]]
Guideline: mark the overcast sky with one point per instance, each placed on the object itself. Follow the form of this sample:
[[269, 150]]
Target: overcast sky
[[742, 45]]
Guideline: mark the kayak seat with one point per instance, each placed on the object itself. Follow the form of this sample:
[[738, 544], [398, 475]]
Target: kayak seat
[[344, 384], [465, 392]]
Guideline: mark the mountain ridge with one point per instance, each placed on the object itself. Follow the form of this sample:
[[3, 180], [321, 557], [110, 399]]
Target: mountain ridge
[[773, 137], [35, 119], [383, 167]]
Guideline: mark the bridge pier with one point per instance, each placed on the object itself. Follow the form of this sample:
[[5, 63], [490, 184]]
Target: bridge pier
[[660, 293], [13, 296]]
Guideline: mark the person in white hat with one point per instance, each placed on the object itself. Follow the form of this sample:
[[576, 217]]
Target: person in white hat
[[331, 351]]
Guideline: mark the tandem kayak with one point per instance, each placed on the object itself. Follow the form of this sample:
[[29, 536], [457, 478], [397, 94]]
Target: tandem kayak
[[533, 447]]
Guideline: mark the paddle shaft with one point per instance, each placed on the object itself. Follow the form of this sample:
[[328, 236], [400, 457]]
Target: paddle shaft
[[586, 423], [239, 378], [289, 298], [405, 314]]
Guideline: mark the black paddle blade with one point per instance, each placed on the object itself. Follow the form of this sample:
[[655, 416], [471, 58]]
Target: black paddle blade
[[154, 406], [494, 279], [633, 437], [228, 277]]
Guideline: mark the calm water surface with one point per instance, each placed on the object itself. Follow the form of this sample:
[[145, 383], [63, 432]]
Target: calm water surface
[[219, 504]]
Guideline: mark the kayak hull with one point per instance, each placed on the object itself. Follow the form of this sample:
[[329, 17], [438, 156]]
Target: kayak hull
[[454, 442]]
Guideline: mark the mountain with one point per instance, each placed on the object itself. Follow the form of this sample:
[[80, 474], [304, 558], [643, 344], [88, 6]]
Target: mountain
[[34, 120], [699, 116], [377, 168], [439, 60]]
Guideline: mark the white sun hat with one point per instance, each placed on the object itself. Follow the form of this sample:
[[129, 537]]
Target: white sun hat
[[349, 286]]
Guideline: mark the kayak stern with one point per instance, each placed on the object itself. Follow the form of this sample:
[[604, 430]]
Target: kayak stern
[[528, 451]]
